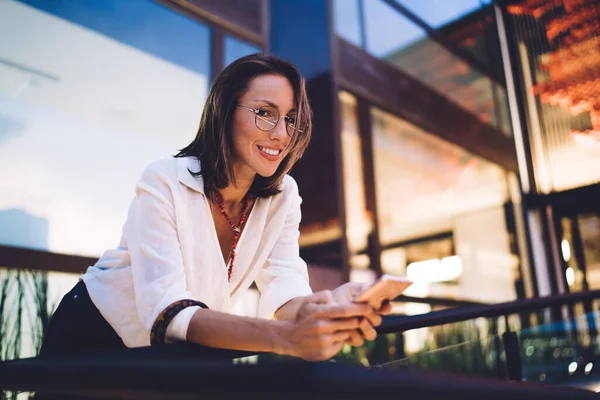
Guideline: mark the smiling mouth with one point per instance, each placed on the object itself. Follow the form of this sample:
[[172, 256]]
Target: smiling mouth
[[271, 152]]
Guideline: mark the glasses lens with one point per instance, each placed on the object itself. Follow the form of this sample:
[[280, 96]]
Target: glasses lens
[[267, 118], [290, 124]]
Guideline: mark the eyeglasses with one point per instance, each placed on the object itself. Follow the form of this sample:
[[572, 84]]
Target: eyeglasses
[[267, 117]]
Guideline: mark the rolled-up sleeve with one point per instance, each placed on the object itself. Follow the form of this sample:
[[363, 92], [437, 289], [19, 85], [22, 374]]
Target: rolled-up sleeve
[[158, 273], [284, 275]]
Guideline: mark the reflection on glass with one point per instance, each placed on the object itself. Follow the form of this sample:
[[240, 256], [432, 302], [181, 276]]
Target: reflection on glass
[[90, 93], [589, 226], [580, 248], [347, 20], [559, 50], [426, 186], [440, 12], [550, 348], [235, 49], [393, 37]]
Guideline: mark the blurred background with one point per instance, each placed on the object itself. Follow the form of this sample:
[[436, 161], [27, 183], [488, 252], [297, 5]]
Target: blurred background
[[456, 142]]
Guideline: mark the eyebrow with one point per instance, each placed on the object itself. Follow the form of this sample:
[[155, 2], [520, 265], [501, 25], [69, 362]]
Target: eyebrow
[[270, 103]]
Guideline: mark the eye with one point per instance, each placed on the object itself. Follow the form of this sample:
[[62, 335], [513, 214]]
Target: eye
[[291, 120], [265, 112]]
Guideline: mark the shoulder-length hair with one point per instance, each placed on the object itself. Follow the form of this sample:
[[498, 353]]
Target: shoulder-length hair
[[213, 145]]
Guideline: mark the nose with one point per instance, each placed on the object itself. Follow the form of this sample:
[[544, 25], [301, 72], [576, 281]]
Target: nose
[[279, 131]]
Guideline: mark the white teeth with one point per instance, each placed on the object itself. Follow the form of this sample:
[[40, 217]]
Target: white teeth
[[272, 152]]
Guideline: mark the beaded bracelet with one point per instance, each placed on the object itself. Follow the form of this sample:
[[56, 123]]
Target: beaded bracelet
[[159, 328]]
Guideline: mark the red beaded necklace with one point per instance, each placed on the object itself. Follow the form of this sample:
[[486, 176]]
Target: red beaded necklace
[[237, 229]]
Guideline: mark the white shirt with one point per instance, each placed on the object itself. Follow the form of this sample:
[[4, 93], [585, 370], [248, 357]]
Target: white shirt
[[169, 251]]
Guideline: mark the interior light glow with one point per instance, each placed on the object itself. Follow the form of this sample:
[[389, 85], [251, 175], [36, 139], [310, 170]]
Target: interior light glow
[[572, 368], [570, 273], [435, 270], [566, 250]]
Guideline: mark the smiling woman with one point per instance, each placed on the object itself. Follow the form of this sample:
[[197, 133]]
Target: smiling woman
[[207, 223]]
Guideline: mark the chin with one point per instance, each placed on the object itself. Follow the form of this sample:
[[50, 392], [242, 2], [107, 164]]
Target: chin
[[266, 174]]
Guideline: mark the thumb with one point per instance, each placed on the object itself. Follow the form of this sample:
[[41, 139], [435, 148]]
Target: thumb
[[357, 288], [322, 297]]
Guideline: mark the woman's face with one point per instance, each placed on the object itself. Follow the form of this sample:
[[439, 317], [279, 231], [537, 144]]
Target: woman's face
[[257, 151]]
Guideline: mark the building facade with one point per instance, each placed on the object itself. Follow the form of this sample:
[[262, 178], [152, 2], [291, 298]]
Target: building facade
[[455, 142]]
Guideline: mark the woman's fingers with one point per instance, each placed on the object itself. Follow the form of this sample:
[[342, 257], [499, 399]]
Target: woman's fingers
[[343, 310], [341, 336], [374, 318], [386, 308], [356, 339], [322, 297], [367, 329]]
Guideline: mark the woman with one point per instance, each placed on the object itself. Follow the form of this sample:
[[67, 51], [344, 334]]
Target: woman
[[207, 223]]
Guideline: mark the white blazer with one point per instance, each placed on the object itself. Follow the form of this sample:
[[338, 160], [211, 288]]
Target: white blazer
[[169, 251]]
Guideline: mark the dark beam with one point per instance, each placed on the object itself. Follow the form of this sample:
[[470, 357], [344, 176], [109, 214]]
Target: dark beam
[[241, 17], [17, 257], [217, 59]]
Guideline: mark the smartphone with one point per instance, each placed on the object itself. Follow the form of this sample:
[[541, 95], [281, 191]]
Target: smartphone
[[387, 287]]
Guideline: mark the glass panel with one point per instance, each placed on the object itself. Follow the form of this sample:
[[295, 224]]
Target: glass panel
[[28, 300], [235, 49], [574, 273], [589, 226], [90, 93], [555, 346], [394, 38], [580, 248], [559, 49], [452, 349], [347, 20], [440, 12], [425, 187]]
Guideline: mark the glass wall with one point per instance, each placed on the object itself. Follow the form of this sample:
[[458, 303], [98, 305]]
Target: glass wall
[[90, 93], [28, 298], [558, 46], [358, 220], [437, 13], [441, 214], [387, 34], [235, 48], [580, 249]]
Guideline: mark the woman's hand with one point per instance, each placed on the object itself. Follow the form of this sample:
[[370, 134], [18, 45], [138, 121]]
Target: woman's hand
[[345, 294], [321, 326]]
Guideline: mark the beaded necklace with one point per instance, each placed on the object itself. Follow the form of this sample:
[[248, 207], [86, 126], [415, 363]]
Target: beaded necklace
[[237, 229]]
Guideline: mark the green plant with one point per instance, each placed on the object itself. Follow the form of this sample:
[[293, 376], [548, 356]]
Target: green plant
[[24, 315]]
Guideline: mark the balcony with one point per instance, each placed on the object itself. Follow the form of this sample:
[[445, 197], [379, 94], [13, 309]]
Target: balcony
[[543, 348]]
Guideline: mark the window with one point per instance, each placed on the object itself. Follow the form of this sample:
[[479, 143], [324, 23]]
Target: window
[[427, 187], [235, 49], [90, 93], [387, 34], [437, 13], [347, 20]]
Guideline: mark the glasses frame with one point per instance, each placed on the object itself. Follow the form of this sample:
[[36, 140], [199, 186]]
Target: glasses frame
[[273, 124]]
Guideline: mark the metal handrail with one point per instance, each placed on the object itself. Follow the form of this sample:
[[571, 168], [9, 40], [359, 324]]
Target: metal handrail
[[393, 323], [135, 379]]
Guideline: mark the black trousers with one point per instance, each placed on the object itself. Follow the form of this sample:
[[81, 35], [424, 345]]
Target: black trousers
[[77, 328]]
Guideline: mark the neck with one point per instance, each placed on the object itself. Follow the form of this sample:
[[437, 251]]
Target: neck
[[234, 194]]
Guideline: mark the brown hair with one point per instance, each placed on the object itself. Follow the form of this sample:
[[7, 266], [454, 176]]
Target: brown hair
[[213, 143]]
